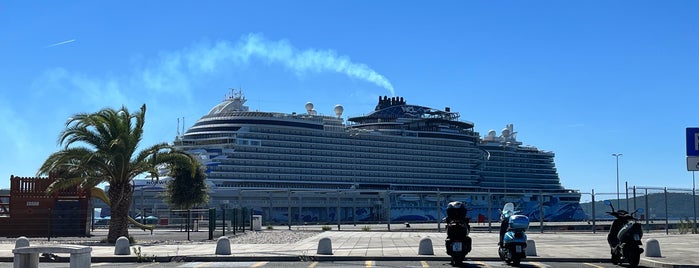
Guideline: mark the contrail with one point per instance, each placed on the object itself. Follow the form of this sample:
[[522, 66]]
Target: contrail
[[280, 52], [61, 43]]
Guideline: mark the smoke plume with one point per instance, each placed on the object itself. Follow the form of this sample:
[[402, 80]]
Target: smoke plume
[[282, 52]]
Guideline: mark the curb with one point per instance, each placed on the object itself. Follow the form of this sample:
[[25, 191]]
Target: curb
[[659, 264], [329, 258], [300, 258]]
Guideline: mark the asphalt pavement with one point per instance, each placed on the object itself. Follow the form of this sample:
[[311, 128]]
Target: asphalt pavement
[[677, 250]]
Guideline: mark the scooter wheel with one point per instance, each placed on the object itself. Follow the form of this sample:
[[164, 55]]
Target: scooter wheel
[[516, 261], [457, 260], [633, 255], [615, 259]]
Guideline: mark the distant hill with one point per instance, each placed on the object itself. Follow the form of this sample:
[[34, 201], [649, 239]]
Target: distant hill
[[678, 204]]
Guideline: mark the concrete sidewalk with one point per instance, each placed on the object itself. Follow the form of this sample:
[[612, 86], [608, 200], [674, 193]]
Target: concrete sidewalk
[[677, 250]]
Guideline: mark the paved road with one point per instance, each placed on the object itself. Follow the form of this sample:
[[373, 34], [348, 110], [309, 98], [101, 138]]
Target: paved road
[[350, 264], [361, 246]]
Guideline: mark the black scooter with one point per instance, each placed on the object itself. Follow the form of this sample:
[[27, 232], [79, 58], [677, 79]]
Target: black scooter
[[624, 236], [458, 243]]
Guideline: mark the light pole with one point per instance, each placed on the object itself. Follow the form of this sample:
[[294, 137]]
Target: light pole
[[617, 179]]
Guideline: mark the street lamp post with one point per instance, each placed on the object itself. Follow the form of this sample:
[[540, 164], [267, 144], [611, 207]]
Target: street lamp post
[[617, 179]]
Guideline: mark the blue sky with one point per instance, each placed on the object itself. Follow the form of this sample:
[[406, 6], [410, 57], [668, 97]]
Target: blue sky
[[584, 79]]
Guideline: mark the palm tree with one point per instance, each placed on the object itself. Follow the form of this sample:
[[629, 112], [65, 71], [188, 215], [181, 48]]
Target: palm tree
[[102, 147]]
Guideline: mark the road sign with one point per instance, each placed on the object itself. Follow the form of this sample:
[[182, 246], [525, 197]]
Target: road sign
[[692, 163], [692, 141]]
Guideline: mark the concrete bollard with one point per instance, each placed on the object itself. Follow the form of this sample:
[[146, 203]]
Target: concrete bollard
[[325, 246], [425, 247], [223, 246], [531, 248], [652, 248], [21, 242], [25, 259], [122, 246]]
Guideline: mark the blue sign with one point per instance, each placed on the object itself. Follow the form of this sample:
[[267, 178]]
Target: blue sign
[[692, 141]]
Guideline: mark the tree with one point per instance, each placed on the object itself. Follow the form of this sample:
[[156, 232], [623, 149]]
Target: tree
[[102, 147], [188, 188]]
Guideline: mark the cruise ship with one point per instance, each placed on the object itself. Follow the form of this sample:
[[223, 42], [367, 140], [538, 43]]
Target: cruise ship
[[400, 162]]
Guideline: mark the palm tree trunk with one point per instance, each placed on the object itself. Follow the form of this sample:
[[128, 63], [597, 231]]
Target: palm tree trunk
[[120, 195]]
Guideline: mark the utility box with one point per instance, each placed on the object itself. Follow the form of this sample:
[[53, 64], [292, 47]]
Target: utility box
[[256, 222]]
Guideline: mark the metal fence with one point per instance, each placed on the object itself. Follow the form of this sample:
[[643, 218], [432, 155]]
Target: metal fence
[[218, 222], [662, 208]]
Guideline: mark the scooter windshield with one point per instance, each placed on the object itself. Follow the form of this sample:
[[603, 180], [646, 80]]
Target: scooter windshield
[[508, 210]]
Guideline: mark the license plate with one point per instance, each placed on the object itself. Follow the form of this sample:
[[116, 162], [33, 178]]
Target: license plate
[[518, 249], [456, 246]]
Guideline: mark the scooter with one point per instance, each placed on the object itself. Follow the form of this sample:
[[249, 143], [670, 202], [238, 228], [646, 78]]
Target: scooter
[[458, 243], [624, 236], [513, 237]]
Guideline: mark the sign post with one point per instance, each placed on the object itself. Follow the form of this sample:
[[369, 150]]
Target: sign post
[[693, 165]]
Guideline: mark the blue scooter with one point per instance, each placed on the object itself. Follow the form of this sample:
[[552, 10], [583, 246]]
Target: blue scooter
[[513, 237]]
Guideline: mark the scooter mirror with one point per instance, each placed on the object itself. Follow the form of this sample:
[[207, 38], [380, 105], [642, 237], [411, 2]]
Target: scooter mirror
[[607, 202]]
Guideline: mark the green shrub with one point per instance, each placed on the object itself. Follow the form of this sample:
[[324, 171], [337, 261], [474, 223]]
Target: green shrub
[[366, 228], [326, 228]]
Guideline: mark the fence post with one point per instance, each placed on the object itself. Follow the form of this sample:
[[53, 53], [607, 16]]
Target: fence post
[[337, 211], [626, 186], [541, 212], [634, 198], [212, 223], [667, 227], [439, 212], [594, 227], [388, 210], [647, 213], [288, 202], [50, 218], [189, 222], [490, 207]]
